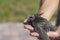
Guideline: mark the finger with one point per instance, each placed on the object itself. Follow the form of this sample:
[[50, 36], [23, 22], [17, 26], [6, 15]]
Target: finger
[[29, 27], [35, 34], [53, 34]]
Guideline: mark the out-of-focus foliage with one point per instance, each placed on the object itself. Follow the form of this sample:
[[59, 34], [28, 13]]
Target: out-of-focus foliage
[[17, 10]]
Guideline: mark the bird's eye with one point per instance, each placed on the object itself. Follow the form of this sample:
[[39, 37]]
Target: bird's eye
[[30, 17]]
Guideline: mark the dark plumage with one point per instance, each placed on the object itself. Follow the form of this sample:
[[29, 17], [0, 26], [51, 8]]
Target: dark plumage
[[41, 25]]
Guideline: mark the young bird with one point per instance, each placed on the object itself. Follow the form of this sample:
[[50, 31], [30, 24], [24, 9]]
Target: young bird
[[41, 25]]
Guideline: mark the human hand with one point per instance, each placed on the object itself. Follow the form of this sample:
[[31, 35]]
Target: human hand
[[52, 35]]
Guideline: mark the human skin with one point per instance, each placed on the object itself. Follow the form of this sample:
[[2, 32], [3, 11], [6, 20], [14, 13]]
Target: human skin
[[51, 34], [48, 8]]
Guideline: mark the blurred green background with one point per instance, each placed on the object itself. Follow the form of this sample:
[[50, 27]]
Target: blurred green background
[[17, 10]]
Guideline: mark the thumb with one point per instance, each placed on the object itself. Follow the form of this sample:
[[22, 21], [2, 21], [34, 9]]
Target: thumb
[[52, 34]]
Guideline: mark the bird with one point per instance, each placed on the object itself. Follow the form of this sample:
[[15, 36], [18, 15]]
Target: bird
[[41, 25]]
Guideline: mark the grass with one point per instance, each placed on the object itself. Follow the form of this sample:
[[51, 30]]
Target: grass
[[17, 10]]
